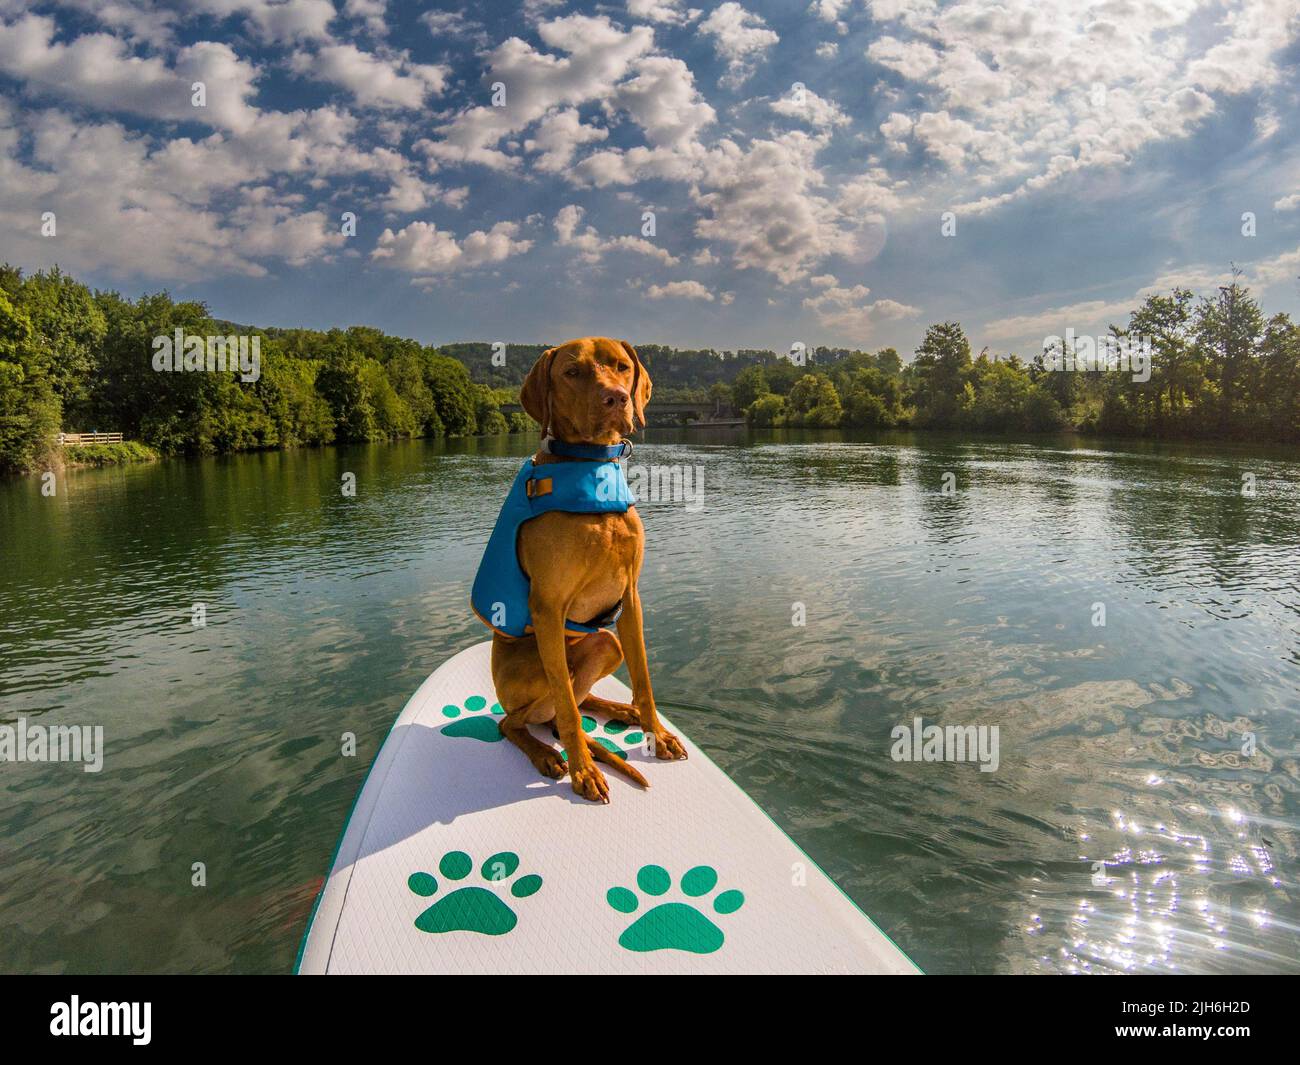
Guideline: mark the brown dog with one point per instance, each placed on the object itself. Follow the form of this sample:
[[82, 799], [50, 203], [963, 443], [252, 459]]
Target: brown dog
[[589, 391]]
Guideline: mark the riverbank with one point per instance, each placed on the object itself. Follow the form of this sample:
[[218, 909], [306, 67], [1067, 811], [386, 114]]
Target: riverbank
[[79, 455], [90, 456]]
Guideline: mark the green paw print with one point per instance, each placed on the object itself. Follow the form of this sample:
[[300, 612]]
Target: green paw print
[[472, 908], [471, 721], [614, 736], [673, 925]]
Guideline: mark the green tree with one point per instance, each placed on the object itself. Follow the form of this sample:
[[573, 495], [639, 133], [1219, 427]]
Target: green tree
[[889, 362], [814, 402], [487, 412], [781, 376], [1002, 391], [1177, 372], [69, 328], [406, 371], [1279, 392], [166, 410], [750, 383], [1229, 328], [872, 399], [345, 384], [29, 407], [453, 395], [767, 411], [940, 370]]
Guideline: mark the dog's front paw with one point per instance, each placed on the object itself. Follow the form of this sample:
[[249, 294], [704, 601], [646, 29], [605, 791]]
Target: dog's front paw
[[667, 746], [590, 783]]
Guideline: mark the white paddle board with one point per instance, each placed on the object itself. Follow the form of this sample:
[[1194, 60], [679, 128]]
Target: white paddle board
[[459, 857]]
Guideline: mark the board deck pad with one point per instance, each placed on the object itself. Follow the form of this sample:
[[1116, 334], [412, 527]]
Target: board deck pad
[[459, 857]]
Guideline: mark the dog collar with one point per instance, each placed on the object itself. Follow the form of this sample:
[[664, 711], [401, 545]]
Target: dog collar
[[551, 446]]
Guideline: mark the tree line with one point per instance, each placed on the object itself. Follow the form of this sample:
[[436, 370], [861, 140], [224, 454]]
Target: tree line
[[76, 360], [1219, 369]]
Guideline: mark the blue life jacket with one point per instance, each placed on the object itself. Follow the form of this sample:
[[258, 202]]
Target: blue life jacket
[[595, 486]]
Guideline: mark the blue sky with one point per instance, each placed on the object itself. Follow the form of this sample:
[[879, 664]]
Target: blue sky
[[798, 159]]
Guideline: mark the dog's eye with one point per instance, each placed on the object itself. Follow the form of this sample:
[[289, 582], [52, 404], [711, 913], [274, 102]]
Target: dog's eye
[[572, 371], [624, 367]]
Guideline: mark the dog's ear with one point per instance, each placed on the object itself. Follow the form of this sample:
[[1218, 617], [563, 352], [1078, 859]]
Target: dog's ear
[[535, 396], [640, 384]]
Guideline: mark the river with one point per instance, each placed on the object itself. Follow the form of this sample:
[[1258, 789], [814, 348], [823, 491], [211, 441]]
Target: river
[[1142, 816]]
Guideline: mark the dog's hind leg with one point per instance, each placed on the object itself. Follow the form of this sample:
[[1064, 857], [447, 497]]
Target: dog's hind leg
[[618, 711], [599, 655], [594, 656], [545, 758]]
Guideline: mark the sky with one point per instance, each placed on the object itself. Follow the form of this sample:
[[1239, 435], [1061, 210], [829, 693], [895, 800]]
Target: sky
[[739, 174]]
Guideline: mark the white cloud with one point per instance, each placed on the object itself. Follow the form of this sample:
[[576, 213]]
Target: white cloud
[[592, 247], [670, 12], [99, 71], [138, 20], [768, 203], [537, 9], [739, 37], [559, 135], [597, 56], [662, 100], [847, 312], [272, 228], [134, 211], [453, 24], [383, 81], [409, 193], [828, 10], [915, 60], [603, 65], [371, 12], [1288, 203], [422, 249], [281, 21], [680, 290], [1018, 95], [811, 108], [896, 129]]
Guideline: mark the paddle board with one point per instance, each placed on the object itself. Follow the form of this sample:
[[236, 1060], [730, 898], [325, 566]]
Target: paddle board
[[459, 857]]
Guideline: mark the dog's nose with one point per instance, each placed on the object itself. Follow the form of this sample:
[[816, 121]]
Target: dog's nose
[[615, 397]]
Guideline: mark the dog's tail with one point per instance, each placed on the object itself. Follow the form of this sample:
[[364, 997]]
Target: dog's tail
[[603, 754]]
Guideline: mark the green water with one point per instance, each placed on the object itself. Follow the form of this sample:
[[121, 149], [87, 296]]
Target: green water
[[1119, 744]]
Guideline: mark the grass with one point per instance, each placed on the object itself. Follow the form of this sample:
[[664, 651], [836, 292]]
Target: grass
[[107, 454]]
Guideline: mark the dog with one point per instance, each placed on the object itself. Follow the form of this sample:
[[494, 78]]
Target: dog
[[587, 395]]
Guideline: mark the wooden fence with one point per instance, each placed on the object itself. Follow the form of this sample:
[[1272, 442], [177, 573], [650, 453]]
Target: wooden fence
[[90, 438]]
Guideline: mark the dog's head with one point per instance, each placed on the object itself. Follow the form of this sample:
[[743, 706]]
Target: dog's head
[[592, 390]]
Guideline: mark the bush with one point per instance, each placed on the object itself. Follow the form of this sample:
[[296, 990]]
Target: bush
[[767, 411], [107, 454]]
